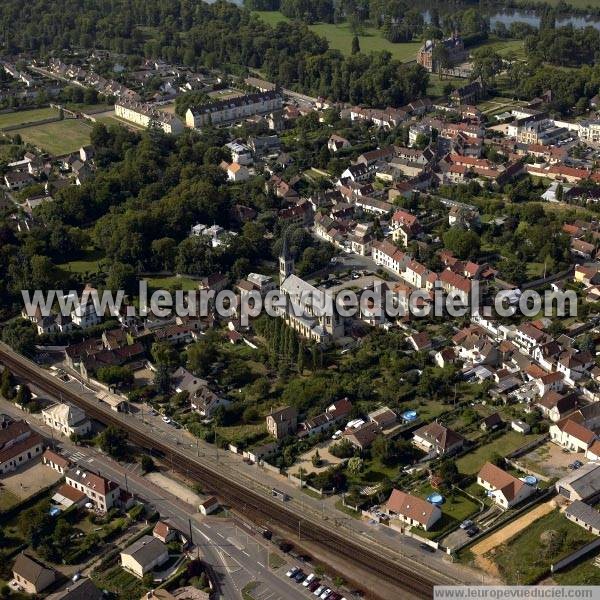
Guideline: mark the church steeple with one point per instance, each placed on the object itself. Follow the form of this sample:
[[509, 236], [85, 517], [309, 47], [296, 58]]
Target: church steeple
[[286, 262]]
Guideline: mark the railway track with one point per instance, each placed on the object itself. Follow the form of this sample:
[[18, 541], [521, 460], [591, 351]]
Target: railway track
[[257, 507]]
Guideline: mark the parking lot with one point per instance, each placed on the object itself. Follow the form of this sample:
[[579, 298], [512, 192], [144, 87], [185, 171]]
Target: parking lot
[[550, 461]]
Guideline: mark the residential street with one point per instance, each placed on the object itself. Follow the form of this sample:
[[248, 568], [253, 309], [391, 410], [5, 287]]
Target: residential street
[[235, 555]]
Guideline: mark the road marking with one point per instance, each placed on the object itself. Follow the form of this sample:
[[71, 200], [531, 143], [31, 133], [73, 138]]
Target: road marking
[[207, 525], [220, 535], [260, 564], [244, 552]]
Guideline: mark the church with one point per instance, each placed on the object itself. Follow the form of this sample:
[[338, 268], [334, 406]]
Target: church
[[308, 310]]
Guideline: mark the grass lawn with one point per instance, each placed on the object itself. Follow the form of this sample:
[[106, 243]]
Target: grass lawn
[[275, 561], [27, 116], [582, 573], [340, 37], [347, 510], [172, 283], [512, 48], [58, 138], [535, 269], [7, 500], [455, 510], [237, 433], [527, 556], [436, 85], [248, 589], [123, 584], [503, 445], [87, 263]]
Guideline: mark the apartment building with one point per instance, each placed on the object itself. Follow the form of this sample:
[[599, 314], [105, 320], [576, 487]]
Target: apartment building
[[147, 115]]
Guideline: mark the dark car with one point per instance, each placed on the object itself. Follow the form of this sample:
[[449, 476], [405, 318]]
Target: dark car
[[285, 546], [472, 531], [314, 585], [299, 576], [426, 547]]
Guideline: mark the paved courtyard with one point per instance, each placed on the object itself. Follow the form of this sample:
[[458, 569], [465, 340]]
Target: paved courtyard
[[328, 460], [550, 460], [30, 479]]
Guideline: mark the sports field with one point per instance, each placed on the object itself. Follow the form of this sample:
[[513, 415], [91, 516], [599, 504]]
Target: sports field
[[26, 116], [59, 137], [340, 37]]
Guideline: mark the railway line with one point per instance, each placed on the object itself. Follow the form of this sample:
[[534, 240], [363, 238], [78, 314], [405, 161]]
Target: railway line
[[257, 507]]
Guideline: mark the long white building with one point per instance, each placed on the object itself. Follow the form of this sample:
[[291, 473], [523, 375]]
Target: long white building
[[232, 109], [145, 115]]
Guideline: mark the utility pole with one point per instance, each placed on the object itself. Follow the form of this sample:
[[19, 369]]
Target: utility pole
[[299, 520]]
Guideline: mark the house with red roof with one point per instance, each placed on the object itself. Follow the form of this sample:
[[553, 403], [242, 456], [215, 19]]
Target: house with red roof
[[505, 489], [572, 435], [412, 510]]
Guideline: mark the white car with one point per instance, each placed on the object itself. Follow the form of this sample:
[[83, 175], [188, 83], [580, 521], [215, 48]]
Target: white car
[[166, 419], [292, 572], [325, 593], [308, 580], [319, 590]]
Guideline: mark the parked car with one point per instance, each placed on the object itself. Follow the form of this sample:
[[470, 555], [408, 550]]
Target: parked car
[[577, 464], [472, 530], [325, 593], [466, 524], [313, 585], [285, 546], [166, 419], [292, 572], [319, 590], [426, 547], [299, 576], [308, 580]]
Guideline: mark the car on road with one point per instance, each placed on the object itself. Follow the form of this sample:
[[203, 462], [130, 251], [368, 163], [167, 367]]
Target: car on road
[[426, 547], [466, 524], [166, 419], [319, 590], [308, 580], [292, 572]]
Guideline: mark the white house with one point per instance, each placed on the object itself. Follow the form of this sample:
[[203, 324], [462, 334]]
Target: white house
[[412, 510], [144, 555], [503, 488], [67, 419], [572, 435], [101, 492]]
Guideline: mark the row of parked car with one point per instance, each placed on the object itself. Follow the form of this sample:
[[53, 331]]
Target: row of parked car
[[313, 584]]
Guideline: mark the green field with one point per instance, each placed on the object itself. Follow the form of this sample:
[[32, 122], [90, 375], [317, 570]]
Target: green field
[[527, 557], [57, 138], [340, 37], [172, 283], [87, 263], [503, 445], [26, 116]]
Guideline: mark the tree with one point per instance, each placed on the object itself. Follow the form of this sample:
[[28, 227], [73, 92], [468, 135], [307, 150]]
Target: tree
[[355, 45], [162, 379], [316, 459], [115, 375], [355, 465], [6, 383], [464, 243], [21, 336], [147, 463], [113, 441], [487, 63]]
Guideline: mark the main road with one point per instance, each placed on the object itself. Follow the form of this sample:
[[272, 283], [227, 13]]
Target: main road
[[359, 559]]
